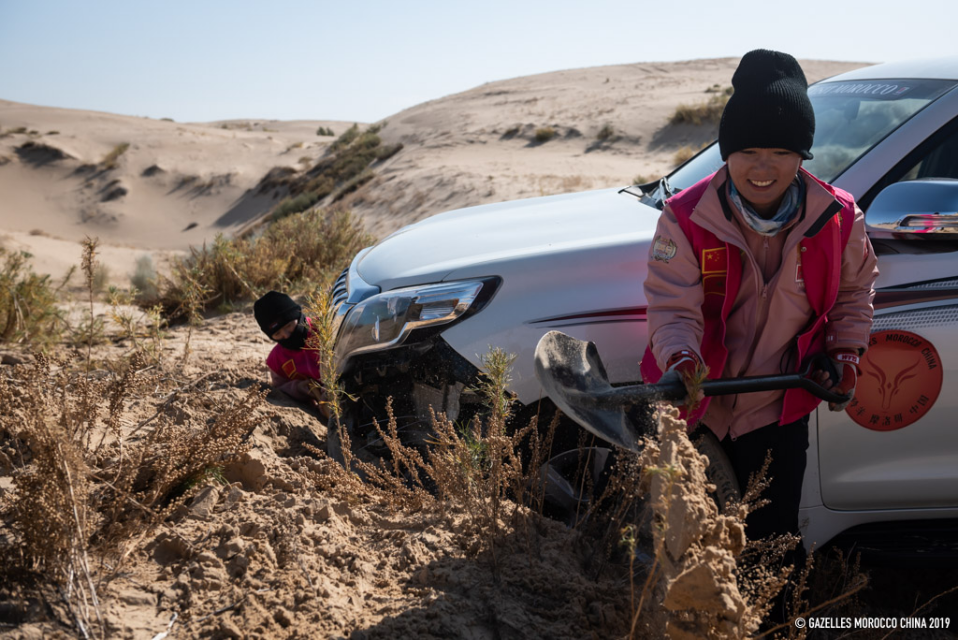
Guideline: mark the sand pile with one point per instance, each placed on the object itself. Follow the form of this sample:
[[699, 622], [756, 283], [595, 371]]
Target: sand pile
[[696, 546]]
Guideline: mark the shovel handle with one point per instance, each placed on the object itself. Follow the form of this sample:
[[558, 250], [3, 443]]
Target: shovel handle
[[732, 386]]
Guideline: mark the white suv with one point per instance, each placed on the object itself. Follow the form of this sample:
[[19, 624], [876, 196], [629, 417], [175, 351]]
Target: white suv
[[418, 310]]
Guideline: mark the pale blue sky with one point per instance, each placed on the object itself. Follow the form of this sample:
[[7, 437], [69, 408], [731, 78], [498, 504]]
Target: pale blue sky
[[366, 60]]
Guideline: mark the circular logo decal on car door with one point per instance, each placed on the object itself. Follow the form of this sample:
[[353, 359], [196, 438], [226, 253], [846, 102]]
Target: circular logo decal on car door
[[900, 380]]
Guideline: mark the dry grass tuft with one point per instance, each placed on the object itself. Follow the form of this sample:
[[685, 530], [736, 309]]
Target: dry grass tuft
[[705, 112], [686, 153], [481, 476], [344, 169], [86, 485], [544, 134], [109, 161], [294, 254], [606, 133]]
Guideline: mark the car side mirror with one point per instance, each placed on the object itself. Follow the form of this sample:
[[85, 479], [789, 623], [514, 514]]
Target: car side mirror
[[926, 206]]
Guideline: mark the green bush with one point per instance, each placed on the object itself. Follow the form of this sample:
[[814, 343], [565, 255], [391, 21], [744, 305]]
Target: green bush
[[605, 133], [346, 139], [354, 183], [289, 206], [342, 171], [544, 134], [144, 278], [28, 311]]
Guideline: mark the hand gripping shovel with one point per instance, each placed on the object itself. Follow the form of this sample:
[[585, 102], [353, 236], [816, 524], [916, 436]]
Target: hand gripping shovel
[[573, 376]]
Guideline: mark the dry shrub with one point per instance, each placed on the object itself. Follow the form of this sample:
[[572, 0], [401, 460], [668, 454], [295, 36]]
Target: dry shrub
[[687, 153], [544, 134], [344, 169], [684, 154], [28, 311], [293, 254], [705, 112], [144, 278], [109, 161], [607, 132], [90, 331], [476, 471], [85, 485], [329, 391], [171, 459]]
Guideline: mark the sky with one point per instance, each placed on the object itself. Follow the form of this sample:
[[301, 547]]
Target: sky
[[203, 60]]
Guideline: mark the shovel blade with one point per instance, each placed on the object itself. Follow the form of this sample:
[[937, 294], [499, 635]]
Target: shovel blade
[[573, 376]]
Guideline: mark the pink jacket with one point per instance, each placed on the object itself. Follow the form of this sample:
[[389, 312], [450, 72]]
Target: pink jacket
[[748, 305], [288, 366]]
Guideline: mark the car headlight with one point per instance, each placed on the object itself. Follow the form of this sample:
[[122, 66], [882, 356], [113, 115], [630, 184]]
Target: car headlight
[[386, 320]]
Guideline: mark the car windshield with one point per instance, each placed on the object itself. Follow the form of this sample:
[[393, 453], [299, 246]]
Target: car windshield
[[851, 117]]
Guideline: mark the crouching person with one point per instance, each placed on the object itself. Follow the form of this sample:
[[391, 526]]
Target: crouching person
[[294, 367]]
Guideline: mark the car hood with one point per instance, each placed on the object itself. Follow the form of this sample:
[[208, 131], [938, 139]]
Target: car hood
[[430, 250]]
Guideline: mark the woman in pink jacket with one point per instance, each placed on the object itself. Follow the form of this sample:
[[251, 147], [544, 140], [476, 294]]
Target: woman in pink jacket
[[755, 270]]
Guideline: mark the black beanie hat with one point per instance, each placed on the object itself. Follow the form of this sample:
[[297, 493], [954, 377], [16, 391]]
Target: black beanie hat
[[274, 310], [770, 108]]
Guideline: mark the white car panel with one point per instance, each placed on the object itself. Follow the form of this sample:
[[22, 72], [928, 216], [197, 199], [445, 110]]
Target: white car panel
[[535, 299], [430, 250]]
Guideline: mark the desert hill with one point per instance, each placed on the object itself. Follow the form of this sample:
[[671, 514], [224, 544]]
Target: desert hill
[[138, 184], [610, 127]]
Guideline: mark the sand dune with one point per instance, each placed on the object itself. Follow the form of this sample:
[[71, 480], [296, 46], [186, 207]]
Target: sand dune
[[177, 185], [173, 186]]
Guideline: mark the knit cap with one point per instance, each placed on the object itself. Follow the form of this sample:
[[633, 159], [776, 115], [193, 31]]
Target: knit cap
[[274, 310], [770, 108]]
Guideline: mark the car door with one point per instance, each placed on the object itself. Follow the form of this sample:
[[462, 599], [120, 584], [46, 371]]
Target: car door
[[896, 445]]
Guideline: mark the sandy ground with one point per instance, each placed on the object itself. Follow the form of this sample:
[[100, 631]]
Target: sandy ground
[[286, 545], [178, 185], [291, 547]]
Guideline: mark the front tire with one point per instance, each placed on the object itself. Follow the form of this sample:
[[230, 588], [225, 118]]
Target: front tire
[[719, 470]]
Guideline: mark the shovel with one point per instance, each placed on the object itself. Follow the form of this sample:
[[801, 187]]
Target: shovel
[[573, 376]]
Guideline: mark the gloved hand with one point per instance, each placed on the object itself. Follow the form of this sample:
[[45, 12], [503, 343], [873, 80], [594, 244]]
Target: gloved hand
[[846, 363], [681, 367]]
